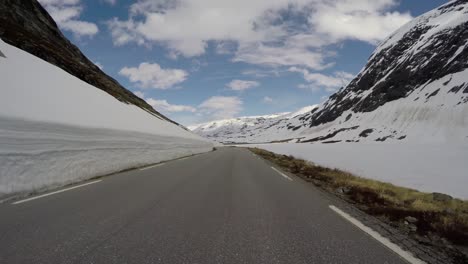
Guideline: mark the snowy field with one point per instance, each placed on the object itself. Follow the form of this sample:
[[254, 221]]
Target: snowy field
[[425, 167], [56, 129]]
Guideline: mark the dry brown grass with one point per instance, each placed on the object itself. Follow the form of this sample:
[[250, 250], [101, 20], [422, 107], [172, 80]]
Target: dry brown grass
[[447, 219]]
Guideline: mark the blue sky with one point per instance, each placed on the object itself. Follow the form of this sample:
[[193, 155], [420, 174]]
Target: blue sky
[[200, 60]]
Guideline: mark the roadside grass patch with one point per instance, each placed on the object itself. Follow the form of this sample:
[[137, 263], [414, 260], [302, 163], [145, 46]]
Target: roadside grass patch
[[436, 215]]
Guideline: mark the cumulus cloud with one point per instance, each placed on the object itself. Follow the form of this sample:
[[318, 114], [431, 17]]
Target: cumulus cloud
[[151, 75], [347, 19], [271, 33], [164, 106], [318, 81], [241, 85], [221, 107], [66, 14]]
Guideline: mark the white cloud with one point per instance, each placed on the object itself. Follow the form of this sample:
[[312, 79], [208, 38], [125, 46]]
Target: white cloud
[[267, 100], [347, 19], [139, 94], [318, 81], [164, 106], [241, 85], [66, 13], [281, 56], [262, 73], [265, 32], [151, 75], [221, 107], [110, 2]]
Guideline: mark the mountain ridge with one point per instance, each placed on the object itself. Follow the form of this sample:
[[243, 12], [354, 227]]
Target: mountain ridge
[[223, 130]]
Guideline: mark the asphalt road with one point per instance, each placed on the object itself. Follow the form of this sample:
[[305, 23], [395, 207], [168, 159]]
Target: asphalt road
[[226, 206]]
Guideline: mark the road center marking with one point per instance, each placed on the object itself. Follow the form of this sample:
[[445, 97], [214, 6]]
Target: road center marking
[[152, 166], [385, 241], [282, 174], [52, 193]]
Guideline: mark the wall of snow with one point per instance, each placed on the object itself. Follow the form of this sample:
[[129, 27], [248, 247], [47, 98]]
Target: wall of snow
[[56, 129], [425, 167], [35, 155]]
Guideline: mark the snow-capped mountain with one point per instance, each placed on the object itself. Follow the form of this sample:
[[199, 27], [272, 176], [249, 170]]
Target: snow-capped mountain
[[247, 129], [413, 88]]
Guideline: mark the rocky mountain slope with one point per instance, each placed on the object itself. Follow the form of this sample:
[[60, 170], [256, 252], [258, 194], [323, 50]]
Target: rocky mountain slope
[[414, 87], [28, 26]]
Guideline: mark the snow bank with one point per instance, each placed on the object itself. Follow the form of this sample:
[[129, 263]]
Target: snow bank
[[425, 167], [56, 129], [36, 155]]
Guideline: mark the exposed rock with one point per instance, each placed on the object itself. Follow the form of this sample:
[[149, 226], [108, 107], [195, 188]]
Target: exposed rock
[[441, 197], [382, 139], [343, 190], [348, 117], [330, 135], [366, 132], [433, 94], [411, 219]]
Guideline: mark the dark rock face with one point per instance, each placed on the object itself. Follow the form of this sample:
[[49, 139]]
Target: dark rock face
[[366, 132], [331, 135], [396, 71], [25, 24]]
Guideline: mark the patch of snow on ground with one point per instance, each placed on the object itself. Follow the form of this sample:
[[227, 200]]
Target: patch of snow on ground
[[425, 167]]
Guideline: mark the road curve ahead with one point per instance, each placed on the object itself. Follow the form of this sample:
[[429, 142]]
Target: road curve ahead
[[226, 206]]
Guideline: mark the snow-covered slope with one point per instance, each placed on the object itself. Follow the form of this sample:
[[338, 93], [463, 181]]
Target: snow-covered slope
[[414, 88], [249, 128], [56, 129]]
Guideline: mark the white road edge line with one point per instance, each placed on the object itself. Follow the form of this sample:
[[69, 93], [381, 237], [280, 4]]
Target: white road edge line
[[385, 241], [52, 193], [282, 174], [152, 166]]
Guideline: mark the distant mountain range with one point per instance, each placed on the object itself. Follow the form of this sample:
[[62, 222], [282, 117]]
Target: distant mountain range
[[413, 88], [248, 129]]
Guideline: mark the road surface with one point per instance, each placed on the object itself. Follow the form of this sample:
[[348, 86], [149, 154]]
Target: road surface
[[226, 206]]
